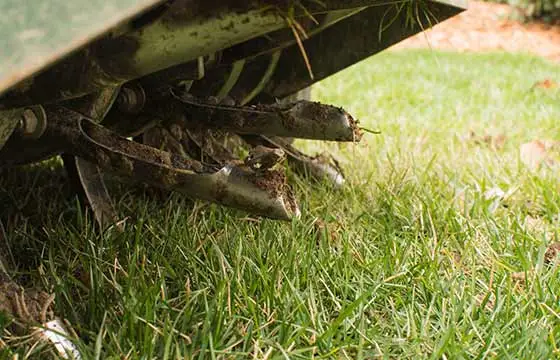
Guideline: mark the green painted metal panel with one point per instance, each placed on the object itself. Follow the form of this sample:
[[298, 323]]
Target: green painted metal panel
[[460, 4], [36, 33]]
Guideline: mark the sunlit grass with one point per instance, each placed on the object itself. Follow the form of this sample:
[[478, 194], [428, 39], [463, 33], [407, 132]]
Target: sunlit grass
[[412, 260]]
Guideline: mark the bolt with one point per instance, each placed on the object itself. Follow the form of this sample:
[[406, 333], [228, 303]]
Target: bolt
[[33, 122], [131, 99]]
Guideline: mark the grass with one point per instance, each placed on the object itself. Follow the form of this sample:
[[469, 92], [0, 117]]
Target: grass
[[412, 261]]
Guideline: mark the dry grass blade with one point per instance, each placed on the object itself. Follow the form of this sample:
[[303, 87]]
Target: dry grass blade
[[308, 14], [298, 30], [294, 27]]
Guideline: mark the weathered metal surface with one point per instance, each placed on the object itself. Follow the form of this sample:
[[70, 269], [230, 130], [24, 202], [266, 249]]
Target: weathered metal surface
[[351, 37], [302, 119], [33, 35], [460, 4], [94, 106], [33, 122], [242, 51], [322, 167], [283, 38], [319, 167], [352, 40], [93, 184], [184, 32], [178, 36]]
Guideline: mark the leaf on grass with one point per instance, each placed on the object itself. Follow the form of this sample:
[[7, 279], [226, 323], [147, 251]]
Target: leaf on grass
[[545, 84], [56, 333], [329, 231], [535, 224], [498, 197], [552, 252], [533, 154], [493, 193]]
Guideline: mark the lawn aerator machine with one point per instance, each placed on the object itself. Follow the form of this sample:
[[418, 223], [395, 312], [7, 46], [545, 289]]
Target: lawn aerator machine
[[199, 97]]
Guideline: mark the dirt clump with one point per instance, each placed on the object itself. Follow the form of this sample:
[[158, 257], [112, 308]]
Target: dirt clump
[[26, 307], [271, 181]]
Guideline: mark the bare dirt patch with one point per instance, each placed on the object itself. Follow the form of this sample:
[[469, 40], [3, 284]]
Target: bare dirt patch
[[488, 27]]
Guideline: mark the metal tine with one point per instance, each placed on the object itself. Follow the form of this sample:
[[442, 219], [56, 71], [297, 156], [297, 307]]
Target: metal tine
[[87, 176], [265, 194], [93, 183], [196, 143], [301, 119]]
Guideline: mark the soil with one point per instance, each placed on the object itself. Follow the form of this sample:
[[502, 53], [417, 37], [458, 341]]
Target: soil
[[271, 181], [490, 27]]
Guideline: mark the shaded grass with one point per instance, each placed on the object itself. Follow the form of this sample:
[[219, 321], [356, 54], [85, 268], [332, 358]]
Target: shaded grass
[[412, 261]]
